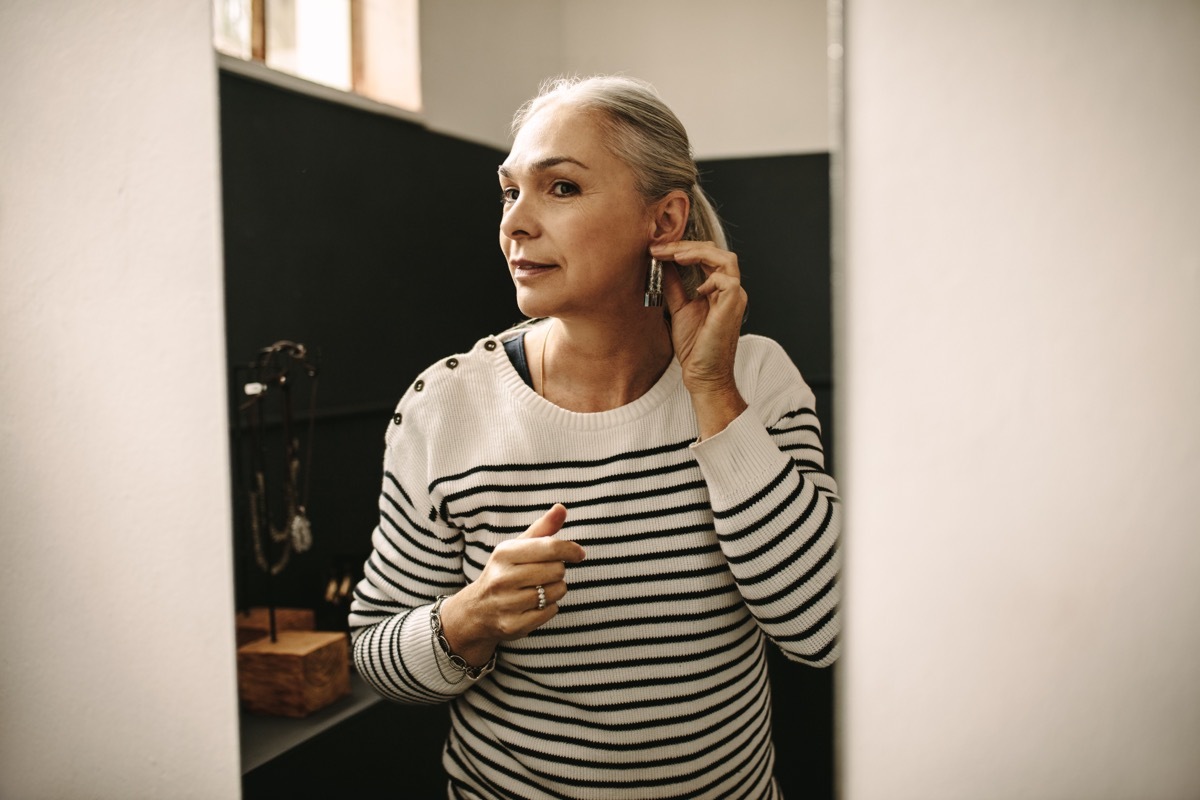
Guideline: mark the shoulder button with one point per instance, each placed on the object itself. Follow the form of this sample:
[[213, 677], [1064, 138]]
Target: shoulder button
[[397, 418], [490, 344], [419, 385], [452, 363]]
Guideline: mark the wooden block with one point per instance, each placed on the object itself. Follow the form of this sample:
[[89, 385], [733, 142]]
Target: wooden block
[[255, 623], [295, 676]]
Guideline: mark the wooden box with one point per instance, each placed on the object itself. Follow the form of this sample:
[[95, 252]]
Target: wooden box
[[295, 676], [255, 623]]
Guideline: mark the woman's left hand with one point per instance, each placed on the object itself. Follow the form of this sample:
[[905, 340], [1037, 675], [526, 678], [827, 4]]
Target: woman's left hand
[[705, 330]]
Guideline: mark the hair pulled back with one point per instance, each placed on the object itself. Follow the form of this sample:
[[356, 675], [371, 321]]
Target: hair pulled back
[[644, 133]]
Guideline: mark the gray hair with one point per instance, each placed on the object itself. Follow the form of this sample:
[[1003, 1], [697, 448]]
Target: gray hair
[[647, 136]]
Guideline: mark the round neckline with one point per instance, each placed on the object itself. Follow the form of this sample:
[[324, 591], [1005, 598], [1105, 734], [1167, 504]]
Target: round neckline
[[523, 393]]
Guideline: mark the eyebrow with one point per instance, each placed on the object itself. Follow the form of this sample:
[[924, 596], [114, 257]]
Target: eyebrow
[[544, 164]]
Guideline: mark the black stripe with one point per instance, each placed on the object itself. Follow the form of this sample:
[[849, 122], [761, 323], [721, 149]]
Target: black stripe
[[803, 607], [452, 570], [767, 518], [775, 430], [638, 558], [632, 580], [755, 670], [544, 485], [415, 578], [619, 602], [576, 522], [694, 637], [759, 495], [540, 508], [815, 657], [811, 630], [793, 526], [411, 520], [549, 465], [782, 566], [799, 412], [625, 622], [528, 672]]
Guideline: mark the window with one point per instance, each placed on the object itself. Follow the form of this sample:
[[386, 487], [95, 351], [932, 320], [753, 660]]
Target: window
[[368, 47]]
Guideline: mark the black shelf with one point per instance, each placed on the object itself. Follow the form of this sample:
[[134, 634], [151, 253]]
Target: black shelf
[[265, 738]]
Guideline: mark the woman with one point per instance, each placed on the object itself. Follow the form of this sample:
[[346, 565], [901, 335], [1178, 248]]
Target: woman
[[590, 524]]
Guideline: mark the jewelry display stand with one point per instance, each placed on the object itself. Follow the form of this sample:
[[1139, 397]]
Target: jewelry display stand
[[293, 676], [285, 668], [255, 623]]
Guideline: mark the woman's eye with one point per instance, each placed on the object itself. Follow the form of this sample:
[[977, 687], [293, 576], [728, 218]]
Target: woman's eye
[[563, 189], [508, 195]]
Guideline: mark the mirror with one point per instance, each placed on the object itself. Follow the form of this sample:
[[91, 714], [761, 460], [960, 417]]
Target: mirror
[[372, 239]]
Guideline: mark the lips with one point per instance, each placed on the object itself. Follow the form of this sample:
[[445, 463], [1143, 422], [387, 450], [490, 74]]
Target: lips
[[523, 268]]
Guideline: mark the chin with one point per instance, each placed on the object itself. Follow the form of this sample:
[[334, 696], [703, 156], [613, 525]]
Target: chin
[[532, 307]]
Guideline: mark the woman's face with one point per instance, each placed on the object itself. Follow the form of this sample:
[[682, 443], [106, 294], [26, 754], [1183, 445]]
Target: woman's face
[[574, 228]]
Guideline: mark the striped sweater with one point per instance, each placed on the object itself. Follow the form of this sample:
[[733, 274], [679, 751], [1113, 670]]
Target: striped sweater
[[651, 681]]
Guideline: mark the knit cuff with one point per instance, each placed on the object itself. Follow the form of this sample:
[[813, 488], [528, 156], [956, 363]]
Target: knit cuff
[[741, 457], [424, 657]]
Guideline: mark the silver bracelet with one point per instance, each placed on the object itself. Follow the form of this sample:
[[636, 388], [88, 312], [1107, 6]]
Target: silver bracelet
[[459, 664]]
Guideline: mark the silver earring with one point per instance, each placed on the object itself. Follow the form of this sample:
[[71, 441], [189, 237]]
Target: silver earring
[[654, 296]]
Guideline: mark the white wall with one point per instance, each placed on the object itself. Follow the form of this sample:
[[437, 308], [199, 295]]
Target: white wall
[[117, 673], [747, 78], [481, 60], [1019, 374]]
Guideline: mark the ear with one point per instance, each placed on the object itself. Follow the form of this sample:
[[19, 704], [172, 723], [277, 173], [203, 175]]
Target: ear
[[669, 217]]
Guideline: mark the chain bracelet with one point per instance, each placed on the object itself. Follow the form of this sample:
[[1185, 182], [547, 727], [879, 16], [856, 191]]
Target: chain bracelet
[[459, 664]]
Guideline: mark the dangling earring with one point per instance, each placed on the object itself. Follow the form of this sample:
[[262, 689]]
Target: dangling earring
[[654, 296]]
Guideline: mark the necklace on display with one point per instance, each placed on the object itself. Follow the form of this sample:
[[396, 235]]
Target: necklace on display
[[272, 370]]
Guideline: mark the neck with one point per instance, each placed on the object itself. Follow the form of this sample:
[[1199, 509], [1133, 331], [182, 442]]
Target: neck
[[593, 366]]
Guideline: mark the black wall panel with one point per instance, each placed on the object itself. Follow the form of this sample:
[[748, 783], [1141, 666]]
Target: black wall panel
[[776, 215]]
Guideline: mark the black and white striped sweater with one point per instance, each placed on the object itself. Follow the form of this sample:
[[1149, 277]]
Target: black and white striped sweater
[[651, 682]]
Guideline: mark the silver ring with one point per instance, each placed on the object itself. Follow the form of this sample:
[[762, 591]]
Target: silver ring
[[541, 590]]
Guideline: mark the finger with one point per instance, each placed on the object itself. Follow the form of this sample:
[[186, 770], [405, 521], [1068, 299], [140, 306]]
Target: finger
[[673, 290], [719, 284], [552, 592], [544, 549], [706, 254], [548, 524], [532, 550], [524, 576]]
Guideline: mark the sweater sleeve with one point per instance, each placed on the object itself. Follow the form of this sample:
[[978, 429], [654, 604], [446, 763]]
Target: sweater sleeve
[[414, 559], [776, 511]]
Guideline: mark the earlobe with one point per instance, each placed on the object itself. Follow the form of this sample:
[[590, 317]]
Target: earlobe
[[670, 218]]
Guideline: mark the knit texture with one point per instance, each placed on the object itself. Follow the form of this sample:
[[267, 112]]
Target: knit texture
[[651, 681]]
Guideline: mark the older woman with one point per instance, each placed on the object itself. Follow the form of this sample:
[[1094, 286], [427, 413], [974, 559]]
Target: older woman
[[591, 524]]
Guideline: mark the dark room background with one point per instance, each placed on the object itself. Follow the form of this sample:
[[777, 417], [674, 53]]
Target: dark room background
[[373, 241]]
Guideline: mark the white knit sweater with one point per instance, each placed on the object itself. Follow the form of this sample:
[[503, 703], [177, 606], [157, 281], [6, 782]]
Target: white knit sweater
[[651, 681]]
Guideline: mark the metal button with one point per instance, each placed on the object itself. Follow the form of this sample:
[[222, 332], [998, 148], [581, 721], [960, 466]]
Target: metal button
[[452, 363], [419, 385], [490, 344], [397, 418]]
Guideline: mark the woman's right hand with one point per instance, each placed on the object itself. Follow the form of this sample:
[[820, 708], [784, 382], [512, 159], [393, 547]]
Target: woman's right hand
[[501, 605]]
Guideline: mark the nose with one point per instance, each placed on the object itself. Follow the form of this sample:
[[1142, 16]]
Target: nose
[[518, 220]]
